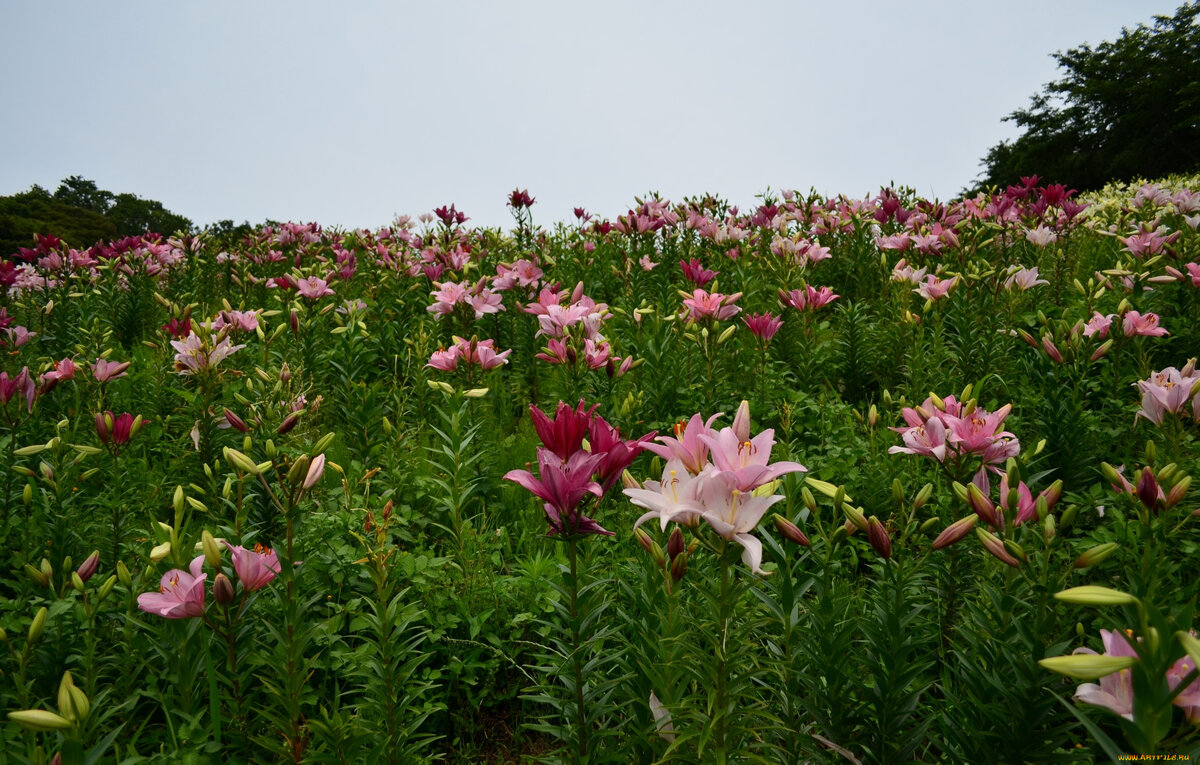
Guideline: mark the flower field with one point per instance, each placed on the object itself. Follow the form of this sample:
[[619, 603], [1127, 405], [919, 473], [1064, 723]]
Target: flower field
[[835, 480]]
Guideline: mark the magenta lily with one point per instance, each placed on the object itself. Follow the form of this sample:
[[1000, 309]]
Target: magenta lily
[[563, 484]]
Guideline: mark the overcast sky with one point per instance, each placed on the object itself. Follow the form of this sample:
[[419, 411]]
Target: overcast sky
[[349, 113]]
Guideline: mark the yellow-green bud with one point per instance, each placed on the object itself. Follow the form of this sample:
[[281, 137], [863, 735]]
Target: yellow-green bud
[[27, 495], [855, 516], [241, 462], [158, 552], [1093, 595], [107, 587], [1096, 555], [40, 720], [123, 574], [809, 500], [323, 443], [177, 501], [77, 582], [212, 550], [897, 491], [923, 496], [38, 624], [1085, 666]]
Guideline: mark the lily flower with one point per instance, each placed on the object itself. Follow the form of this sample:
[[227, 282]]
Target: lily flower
[[255, 568], [563, 484], [745, 462], [687, 446], [674, 498], [180, 594], [733, 514]]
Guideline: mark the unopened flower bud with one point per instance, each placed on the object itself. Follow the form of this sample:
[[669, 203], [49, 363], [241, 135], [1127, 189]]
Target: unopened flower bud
[[37, 625], [40, 720], [675, 545], [107, 587], [855, 516], [897, 491], [955, 532], [212, 551], [983, 505], [288, 424], [1102, 350], [878, 537], [923, 496], [37, 576], [177, 500], [235, 422], [316, 469], [809, 500], [123, 573], [791, 531], [1015, 550], [1147, 489], [679, 567], [158, 552], [741, 422], [1178, 491], [993, 545], [1051, 349], [223, 589], [89, 565], [1093, 595], [1096, 555]]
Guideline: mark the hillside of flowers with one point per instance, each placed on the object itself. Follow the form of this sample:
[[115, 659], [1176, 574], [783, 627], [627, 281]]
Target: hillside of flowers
[[840, 480]]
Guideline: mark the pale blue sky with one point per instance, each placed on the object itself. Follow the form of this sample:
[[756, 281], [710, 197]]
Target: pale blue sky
[[349, 113]]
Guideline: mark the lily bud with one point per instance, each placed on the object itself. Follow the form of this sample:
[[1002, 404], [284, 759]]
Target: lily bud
[[878, 537], [679, 567], [1147, 489], [1102, 350], [1095, 555], [741, 422], [1093, 595], [177, 501], [1084, 666], [923, 496], [993, 545], [288, 424], [955, 532], [235, 422], [628, 481], [791, 531], [1015, 550], [675, 544], [809, 500], [298, 469], [1051, 349], [123, 573], [855, 516], [1178, 491], [241, 462], [40, 720], [873, 416], [316, 469], [37, 576], [960, 492], [158, 552], [982, 505], [897, 491], [223, 590], [37, 625], [212, 551]]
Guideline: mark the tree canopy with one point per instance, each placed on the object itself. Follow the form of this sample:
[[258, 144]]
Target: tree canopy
[[81, 214], [1125, 109]]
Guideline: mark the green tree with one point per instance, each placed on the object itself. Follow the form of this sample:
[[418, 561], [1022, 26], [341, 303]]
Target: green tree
[[77, 191], [1125, 109], [133, 215]]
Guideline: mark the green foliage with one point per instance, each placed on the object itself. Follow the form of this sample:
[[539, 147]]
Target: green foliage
[[1125, 109]]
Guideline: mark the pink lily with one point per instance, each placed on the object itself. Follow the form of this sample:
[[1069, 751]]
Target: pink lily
[[180, 594], [104, 370], [733, 514], [674, 498], [255, 568], [744, 463], [563, 485], [1142, 324], [687, 445]]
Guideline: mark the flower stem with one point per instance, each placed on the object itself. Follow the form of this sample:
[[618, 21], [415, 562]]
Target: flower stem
[[576, 657]]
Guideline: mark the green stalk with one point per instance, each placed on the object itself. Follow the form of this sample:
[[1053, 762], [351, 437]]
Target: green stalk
[[581, 732]]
